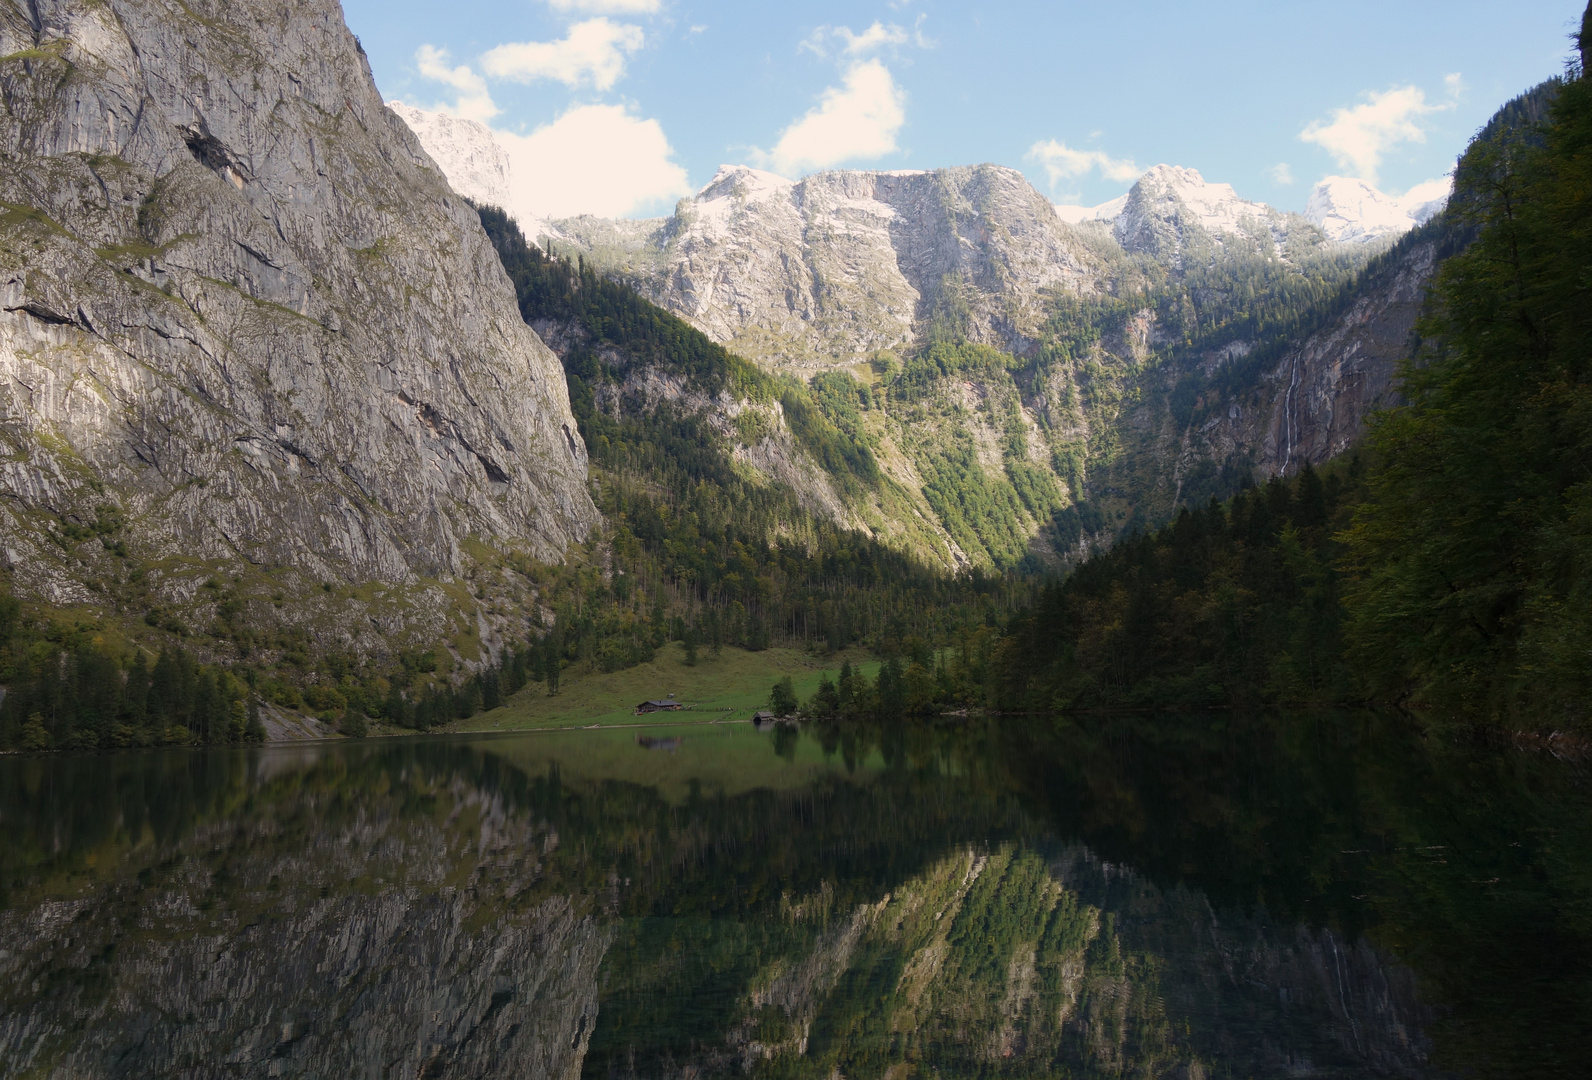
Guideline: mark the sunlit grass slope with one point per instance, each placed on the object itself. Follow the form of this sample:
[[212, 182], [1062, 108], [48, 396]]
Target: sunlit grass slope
[[730, 687]]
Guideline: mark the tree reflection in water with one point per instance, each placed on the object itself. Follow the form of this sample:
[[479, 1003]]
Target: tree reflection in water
[[1320, 895]]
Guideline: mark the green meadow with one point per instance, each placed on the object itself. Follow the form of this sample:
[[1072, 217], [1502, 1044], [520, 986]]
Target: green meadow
[[730, 686]]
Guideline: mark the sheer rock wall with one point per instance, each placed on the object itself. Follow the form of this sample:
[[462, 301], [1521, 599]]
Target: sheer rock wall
[[241, 308]]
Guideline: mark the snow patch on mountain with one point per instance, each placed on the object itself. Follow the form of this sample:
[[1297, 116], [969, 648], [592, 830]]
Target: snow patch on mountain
[[1106, 211], [1216, 207], [475, 164], [1350, 210]]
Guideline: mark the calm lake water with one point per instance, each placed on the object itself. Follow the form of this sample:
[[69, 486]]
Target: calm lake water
[[1189, 897]]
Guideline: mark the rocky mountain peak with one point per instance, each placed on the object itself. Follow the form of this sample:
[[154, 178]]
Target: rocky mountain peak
[[831, 268], [745, 183], [1351, 210], [1217, 206], [1169, 202], [466, 151]]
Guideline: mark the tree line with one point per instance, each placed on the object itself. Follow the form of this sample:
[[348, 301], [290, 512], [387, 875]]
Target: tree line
[[64, 686]]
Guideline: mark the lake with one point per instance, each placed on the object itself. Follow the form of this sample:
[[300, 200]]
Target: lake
[[1325, 895]]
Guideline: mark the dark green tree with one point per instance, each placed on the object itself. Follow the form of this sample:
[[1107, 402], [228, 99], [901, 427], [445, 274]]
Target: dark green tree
[[782, 698]]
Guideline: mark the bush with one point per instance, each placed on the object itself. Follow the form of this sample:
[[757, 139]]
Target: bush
[[34, 736], [782, 699]]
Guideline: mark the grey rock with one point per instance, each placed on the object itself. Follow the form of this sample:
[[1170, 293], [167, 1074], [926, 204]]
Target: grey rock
[[238, 300], [842, 264], [1314, 402], [1170, 209], [475, 165]]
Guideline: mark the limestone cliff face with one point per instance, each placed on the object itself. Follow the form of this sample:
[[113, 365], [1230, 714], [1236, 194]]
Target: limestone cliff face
[[1313, 402], [243, 310], [1327, 387], [828, 270]]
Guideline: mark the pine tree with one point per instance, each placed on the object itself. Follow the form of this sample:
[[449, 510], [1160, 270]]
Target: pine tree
[[34, 734], [238, 723], [255, 731]]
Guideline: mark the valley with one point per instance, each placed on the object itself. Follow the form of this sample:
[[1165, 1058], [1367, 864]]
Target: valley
[[1089, 374], [477, 601], [331, 428]]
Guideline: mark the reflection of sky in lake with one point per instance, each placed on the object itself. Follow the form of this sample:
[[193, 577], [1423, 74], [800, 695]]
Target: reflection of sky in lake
[[1322, 895]]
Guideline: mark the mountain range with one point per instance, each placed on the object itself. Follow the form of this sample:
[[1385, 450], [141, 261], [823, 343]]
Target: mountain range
[[1174, 386], [1345, 209], [260, 363]]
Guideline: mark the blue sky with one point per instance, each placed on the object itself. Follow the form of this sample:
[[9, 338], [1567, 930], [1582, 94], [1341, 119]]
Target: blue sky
[[621, 106]]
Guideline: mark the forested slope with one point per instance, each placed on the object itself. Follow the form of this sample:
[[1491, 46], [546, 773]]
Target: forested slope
[[1454, 569], [733, 551], [1039, 388]]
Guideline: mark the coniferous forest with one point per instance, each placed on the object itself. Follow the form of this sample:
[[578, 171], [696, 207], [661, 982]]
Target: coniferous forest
[[1450, 562]]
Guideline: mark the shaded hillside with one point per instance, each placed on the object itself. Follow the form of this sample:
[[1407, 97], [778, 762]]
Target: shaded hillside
[[1452, 569], [1229, 605], [727, 492], [1471, 582]]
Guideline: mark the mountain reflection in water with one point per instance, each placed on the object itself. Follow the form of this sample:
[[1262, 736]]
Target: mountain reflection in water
[[1160, 897]]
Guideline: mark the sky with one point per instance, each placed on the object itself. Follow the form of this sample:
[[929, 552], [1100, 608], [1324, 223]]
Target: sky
[[621, 107]]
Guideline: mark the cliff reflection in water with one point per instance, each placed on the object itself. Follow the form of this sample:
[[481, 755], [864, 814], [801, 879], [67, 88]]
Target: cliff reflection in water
[[1304, 897]]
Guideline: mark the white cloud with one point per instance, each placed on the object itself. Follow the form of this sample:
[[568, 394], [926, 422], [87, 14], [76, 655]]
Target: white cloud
[[1281, 173], [859, 119], [856, 46], [594, 159], [1429, 191], [876, 36], [1359, 137], [474, 102], [593, 52], [607, 7], [1062, 162]]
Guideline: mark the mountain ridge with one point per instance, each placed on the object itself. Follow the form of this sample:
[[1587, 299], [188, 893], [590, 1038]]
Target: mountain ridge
[[860, 271]]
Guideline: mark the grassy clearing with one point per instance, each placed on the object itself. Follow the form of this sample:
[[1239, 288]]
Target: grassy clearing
[[730, 686]]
